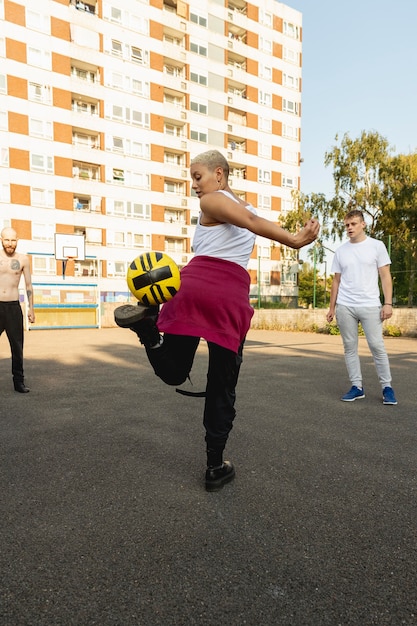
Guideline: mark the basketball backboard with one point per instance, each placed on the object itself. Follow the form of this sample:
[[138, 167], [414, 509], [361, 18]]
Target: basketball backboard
[[69, 247]]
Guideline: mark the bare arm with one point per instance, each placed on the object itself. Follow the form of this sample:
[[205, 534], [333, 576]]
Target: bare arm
[[386, 284], [224, 210], [333, 296], [29, 288]]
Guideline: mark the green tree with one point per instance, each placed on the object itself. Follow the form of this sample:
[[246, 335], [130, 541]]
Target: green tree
[[306, 287]]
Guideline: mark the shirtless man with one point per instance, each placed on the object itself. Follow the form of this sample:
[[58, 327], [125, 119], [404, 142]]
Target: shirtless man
[[12, 266]]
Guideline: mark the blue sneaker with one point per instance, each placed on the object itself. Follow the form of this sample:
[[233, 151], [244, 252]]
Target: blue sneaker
[[388, 396], [354, 393]]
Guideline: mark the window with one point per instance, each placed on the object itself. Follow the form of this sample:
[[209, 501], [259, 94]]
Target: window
[[41, 163], [40, 58], [290, 156], [290, 55], [175, 245], [264, 176], [116, 48], [290, 106], [198, 47], [140, 119], [198, 135], [265, 45], [265, 124], [137, 55], [174, 130], [198, 18], [265, 72], [3, 83], [265, 150], [115, 15], [116, 269], [2, 42], [290, 132], [289, 181], [43, 265], [39, 93], [43, 232], [37, 21], [171, 186], [265, 98], [86, 75], [40, 128], [264, 201], [140, 88], [265, 18], [291, 30], [42, 197], [3, 120], [292, 82], [198, 76], [4, 192], [4, 157]]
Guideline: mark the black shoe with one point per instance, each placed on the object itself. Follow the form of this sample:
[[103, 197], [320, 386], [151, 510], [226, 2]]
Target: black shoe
[[216, 477], [142, 320], [20, 387]]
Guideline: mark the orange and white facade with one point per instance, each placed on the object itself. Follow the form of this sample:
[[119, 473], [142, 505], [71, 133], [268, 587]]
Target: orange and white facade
[[103, 104]]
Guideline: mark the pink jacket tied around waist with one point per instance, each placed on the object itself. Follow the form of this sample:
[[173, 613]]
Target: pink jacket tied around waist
[[212, 303]]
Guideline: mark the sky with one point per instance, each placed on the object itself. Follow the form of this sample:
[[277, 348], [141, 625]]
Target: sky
[[359, 73]]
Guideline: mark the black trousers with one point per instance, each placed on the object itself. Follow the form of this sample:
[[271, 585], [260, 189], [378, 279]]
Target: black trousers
[[11, 320], [173, 361]]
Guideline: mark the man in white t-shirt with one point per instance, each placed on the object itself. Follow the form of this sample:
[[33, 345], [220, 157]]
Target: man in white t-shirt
[[354, 298]]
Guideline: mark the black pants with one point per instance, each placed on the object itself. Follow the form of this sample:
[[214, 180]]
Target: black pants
[[173, 361], [11, 320]]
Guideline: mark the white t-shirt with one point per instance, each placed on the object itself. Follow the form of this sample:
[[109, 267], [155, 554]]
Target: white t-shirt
[[358, 265], [225, 241]]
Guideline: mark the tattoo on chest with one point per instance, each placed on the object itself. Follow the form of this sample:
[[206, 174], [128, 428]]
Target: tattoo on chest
[[15, 265]]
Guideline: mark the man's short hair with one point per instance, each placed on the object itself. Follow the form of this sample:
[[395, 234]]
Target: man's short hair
[[354, 213]]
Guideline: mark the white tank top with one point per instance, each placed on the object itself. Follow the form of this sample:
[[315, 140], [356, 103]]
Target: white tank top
[[225, 241]]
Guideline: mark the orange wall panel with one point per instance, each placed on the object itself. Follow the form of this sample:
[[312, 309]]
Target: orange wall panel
[[64, 200], [276, 204], [252, 198], [276, 179], [277, 128], [17, 87], [61, 98], [14, 13], [61, 64], [19, 159], [157, 123], [252, 93], [157, 153], [156, 61], [60, 29], [20, 194], [157, 93], [277, 153], [251, 173], [278, 24], [252, 147], [251, 120], [62, 133], [23, 228], [277, 50], [156, 30], [62, 166], [64, 229], [16, 50], [158, 213], [252, 67], [158, 4], [276, 76], [276, 102], [18, 123], [252, 39], [252, 12], [157, 182]]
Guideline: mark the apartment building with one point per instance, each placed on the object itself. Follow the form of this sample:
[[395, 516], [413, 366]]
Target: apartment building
[[103, 104]]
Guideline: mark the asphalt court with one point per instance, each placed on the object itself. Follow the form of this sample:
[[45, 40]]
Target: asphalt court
[[104, 518]]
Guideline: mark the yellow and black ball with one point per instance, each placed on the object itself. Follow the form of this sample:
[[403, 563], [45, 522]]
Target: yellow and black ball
[[153, 278]]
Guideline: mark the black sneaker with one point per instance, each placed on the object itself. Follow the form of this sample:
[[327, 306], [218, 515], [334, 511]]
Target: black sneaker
[[142, 320], [216, 477]]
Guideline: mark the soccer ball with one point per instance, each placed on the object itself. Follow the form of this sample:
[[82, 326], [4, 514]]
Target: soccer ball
[[153, 278]]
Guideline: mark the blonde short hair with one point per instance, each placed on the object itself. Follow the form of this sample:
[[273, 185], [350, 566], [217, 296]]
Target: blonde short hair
[[212, 159]]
